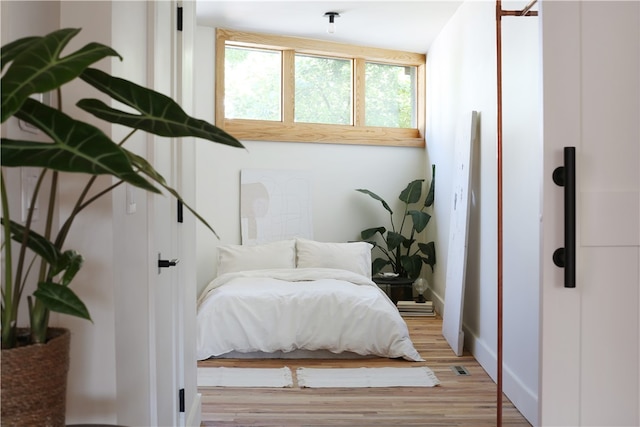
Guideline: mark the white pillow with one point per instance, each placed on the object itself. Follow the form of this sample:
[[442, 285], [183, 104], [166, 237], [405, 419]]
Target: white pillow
[[234, 258], [352, 256]]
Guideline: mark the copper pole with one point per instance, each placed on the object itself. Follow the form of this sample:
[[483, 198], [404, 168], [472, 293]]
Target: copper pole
[[519, 13], [500, 248]]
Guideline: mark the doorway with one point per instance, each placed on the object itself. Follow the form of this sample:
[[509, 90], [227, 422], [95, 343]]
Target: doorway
[[461, 77]]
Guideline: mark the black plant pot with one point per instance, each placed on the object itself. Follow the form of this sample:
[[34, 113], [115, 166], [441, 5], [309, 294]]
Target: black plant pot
[[397, 288]]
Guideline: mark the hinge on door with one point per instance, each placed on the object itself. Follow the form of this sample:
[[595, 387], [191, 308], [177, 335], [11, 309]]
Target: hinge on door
[[181, 398], [180, 211], [179, 18]]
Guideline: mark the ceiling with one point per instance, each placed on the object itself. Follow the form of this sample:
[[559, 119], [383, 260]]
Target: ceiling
[[402, 25]]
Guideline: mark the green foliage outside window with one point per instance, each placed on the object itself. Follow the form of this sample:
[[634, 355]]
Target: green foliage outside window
[[389, 96], [252, 84], [323, 90]]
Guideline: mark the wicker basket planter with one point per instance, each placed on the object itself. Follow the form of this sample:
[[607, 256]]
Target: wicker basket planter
[[34, 382]]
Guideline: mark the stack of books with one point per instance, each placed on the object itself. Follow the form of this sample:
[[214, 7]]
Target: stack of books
[[412, 308]]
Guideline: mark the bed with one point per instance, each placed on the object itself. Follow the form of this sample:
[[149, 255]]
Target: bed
[[299, 298]]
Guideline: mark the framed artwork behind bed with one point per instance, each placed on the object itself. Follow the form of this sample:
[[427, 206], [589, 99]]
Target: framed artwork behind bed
[[275, 205]]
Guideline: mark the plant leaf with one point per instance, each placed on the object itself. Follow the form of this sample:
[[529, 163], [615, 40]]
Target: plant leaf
[[159, 114], [429, 250], [413, 191], [407, 243], [72, 262], [68, 261], [412, 264], [61, 299], [76, 147], [41, 69], [36, 242], [378, 264], [375, 196], [394, 240], [145, 167], [419, 219], [11, 50], [428, 201], [370, 232]]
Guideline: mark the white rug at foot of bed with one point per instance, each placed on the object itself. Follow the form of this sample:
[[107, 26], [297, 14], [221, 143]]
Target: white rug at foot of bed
[[244, 377], [317, 377], [366, 377]]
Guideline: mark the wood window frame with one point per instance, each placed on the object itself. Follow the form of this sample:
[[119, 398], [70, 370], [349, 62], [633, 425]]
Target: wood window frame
[[287, 130]]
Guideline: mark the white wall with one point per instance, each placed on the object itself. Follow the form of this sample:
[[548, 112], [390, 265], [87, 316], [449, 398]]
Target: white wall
[[461, 76], [91, 380], [133, 375], [23, 19], [106, 383], [522, 139], [91, 394], [339, 212]]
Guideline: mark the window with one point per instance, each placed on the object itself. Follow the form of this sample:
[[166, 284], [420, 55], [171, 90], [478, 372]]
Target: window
[[323, 90], [390, 96], [251, 95], [277, 88]]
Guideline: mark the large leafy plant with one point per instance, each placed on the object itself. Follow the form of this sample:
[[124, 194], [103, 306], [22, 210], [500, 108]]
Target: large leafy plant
[[403, 253], [35, 66]]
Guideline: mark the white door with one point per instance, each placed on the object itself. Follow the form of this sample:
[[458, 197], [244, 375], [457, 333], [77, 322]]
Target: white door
[[590, 335], [166, 298], [186, 182], [177, 401]]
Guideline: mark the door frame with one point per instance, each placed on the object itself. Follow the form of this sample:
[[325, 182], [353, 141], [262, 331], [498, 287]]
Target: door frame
[[186, 185], [137, 371], [182, 230]]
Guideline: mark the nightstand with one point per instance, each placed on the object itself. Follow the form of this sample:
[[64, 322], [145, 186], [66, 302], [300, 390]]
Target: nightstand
[[397, 288]]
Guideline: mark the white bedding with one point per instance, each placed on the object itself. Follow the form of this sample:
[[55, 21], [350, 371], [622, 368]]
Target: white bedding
[[303, 308]]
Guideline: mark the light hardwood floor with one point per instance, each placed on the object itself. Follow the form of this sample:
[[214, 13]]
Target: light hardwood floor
[[457, 401]]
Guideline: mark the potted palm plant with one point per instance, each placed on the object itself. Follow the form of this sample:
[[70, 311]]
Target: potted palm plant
[[34, 65], [402, 252]]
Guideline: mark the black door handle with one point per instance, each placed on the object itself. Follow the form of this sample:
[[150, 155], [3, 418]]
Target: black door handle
[[166, 263], [565, 176]]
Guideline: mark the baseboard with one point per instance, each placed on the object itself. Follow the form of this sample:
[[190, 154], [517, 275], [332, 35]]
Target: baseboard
[[520, 395], [194, 416], [438, 301]]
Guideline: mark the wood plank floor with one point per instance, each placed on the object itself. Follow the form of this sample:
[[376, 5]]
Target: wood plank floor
[[457, 401]]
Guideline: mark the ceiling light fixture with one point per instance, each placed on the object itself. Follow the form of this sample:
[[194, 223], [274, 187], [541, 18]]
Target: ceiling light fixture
[[332, 25]]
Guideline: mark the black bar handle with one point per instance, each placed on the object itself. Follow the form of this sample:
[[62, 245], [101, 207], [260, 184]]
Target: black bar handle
[[565, 176]]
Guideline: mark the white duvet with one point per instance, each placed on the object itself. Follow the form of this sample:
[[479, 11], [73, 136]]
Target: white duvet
[[303, 308]]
